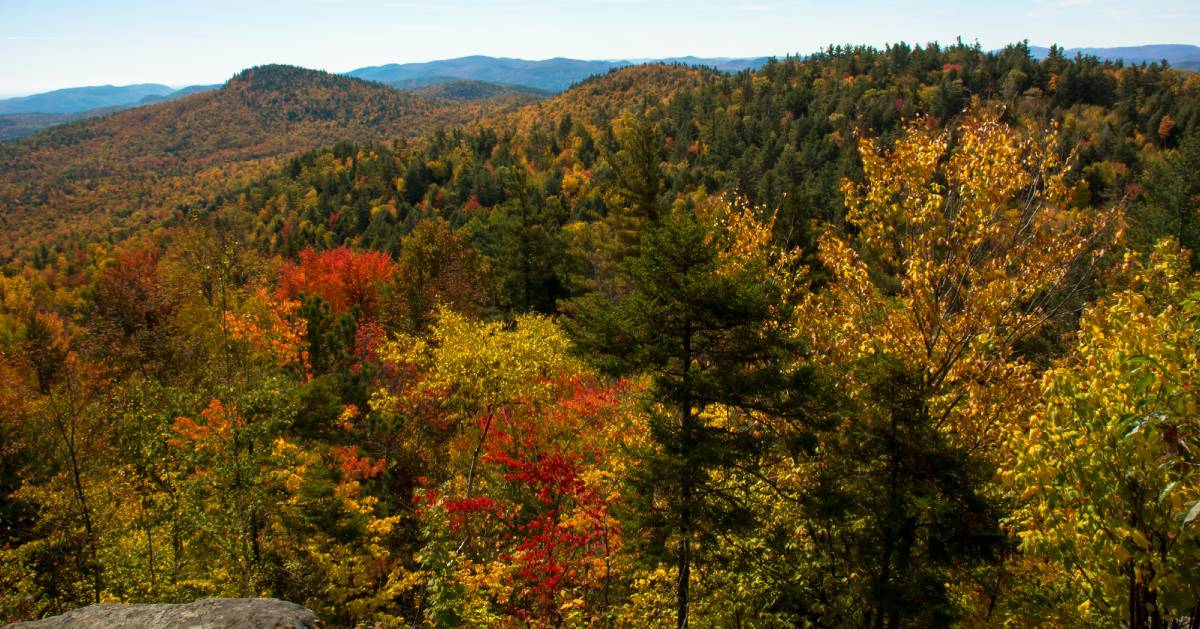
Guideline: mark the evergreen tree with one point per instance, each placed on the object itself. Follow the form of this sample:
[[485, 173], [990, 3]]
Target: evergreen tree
[[1172, 202], [637, 166], [709, 335], [906, 506], [523, 240]]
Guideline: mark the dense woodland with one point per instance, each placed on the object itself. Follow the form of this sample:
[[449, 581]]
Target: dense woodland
[[873, 338]]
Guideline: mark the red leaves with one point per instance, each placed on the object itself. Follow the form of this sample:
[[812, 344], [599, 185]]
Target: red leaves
[[128, 292], [541, 513], [132, 274], [558, 533], [552, 477], [471, 505], [342, 277]]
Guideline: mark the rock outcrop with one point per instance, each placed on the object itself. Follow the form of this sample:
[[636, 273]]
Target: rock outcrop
[[213, 613]]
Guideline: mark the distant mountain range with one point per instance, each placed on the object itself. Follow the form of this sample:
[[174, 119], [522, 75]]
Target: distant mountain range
[[27, 114], [469, 90], [550, 75], [76, 99], [466, 78], [1180, 56]]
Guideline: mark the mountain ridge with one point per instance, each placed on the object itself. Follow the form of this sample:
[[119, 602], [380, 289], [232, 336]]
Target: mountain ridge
[[77, 99], [160, 154], [547, 75], [1179, 56], [553, 75]]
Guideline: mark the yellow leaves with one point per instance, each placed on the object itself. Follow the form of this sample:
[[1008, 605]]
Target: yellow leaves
[[1139, 539], [485, 364], [966, 231], [348, 416], [1112, 426], [478, 365], [294, 462], [744, 236], [379, 528]]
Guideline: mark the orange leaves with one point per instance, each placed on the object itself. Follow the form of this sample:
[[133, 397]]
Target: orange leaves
[[577, 418], [342, 277], [355, 467], [214, 427], [279, 332]]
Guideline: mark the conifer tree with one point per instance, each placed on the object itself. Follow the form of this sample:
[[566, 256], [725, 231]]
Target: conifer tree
[[709, 334]]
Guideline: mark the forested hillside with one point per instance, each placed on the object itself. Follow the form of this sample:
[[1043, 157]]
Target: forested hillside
[[125, 171], [882, 338]]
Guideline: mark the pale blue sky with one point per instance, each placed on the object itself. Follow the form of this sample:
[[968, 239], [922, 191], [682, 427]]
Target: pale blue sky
[[47, 44]]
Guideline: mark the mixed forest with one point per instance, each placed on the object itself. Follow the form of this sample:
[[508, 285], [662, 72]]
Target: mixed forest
[[902, 337]]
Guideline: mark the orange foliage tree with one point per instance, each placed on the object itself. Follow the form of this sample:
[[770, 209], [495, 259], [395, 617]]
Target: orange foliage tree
[[342, 277]]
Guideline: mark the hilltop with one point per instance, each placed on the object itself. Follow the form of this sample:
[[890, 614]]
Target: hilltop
[[154, 159]]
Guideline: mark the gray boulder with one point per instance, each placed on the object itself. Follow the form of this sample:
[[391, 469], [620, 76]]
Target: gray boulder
[[212, 613]]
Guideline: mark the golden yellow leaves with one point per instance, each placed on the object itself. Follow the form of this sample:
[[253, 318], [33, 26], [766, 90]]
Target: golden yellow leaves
[[478, 365], [965, 240], [1105, 469]]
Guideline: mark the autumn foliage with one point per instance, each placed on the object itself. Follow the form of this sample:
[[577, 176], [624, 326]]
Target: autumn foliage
[[345, 279], [880, 338]]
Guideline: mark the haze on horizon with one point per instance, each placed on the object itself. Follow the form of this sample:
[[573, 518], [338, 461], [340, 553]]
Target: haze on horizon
[[67, 43]]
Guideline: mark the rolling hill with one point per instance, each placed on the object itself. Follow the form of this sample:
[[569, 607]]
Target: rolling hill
[[139, 165]]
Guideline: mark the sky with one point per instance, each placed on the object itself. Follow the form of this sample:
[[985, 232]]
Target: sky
[[50, 44]]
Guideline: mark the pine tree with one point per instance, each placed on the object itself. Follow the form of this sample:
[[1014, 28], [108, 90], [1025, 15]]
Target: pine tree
[[709, 335], [523, 241], [638, 166]]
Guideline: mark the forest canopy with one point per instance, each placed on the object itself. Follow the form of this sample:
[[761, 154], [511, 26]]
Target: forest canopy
[[901, 337]]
